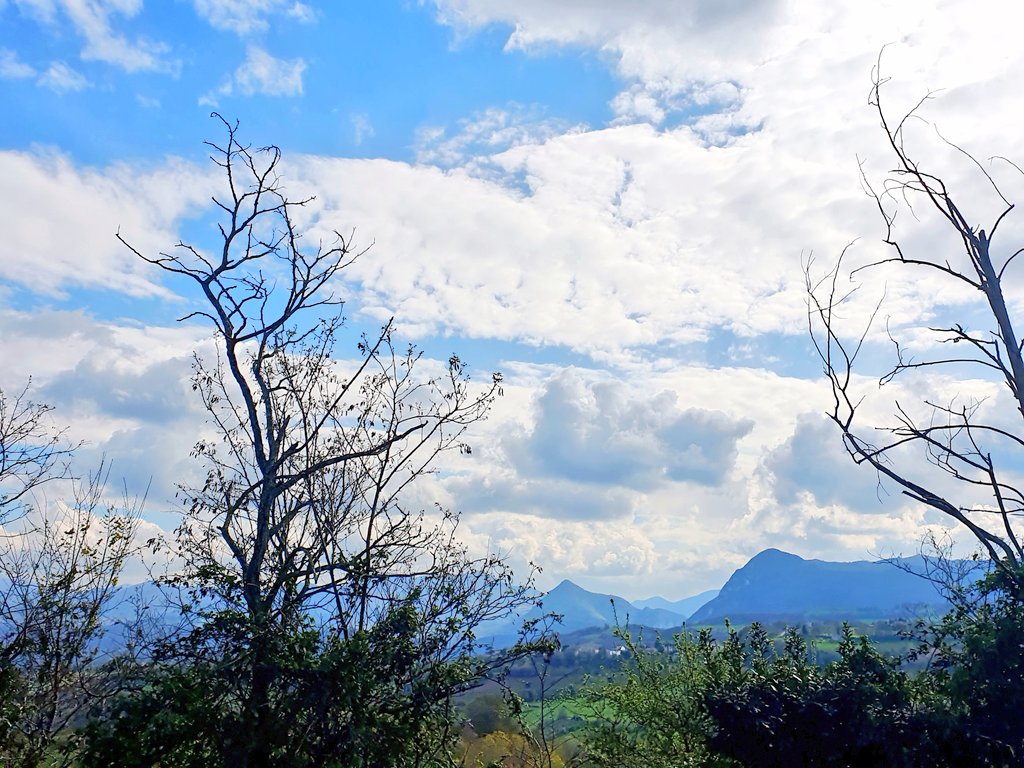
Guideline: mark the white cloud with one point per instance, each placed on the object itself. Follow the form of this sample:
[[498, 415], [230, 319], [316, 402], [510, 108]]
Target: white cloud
[[244, 17], [618, 240], [261, 73], [93, 20], [788, 58], [42, 10], [601, 241], [115, 386], [605, 433], [12, 67], [674, 48], [667, 245], [812, 461], [63, 221], [487, 134], [788, 485], [362, 128], [563, 482], [61, 78], [575, 549]]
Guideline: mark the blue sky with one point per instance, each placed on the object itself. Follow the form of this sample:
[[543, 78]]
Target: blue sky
[[372, 76], [610, 202]]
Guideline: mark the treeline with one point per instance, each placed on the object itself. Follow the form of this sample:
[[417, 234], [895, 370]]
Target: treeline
[[748, 698]]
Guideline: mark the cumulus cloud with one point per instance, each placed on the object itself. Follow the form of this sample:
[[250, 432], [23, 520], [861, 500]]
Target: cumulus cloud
[[123, 390], [789, 484], [147, 395], [601, 241], [244, 17], [63, 221], [614, 241], [813, 461], [572, 460], [667, 244], [674, 51], [602, 432], [572, 549]]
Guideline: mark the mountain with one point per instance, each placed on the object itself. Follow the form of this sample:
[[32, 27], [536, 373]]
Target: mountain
[[581, 609], [772, 586], [776, 585], [685, 607]]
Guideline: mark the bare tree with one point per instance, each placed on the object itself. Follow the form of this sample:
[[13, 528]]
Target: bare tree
[[306, 519], [60, 563], [970, 473], [33, 451], [60, 587]]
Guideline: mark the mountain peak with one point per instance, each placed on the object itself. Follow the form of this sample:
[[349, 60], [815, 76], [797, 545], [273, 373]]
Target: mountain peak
[[774, 555], [565, 585], [777, 585]]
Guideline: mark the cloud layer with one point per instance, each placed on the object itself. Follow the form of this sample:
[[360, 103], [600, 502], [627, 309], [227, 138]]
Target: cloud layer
[[640, 281]]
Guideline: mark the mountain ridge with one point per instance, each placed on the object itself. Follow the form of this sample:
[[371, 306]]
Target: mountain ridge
[[777, 585], [773, 586]]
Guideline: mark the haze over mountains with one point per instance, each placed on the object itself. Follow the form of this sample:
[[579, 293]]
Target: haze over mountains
[[581, 609], [772, 586]]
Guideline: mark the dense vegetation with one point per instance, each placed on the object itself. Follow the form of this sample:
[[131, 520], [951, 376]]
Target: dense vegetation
[[768, 696], [750, 701]]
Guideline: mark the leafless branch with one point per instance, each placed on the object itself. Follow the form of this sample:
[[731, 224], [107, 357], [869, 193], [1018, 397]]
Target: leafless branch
[[955, 441]]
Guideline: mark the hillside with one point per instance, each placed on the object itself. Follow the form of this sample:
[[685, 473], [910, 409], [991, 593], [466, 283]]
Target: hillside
[[776, 585]]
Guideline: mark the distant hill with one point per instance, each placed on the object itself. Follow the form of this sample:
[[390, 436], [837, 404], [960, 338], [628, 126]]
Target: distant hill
[[685, 607], [776, 585], [581, 609]]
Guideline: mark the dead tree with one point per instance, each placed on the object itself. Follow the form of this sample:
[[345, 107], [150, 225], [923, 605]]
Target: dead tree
[[954, 440]]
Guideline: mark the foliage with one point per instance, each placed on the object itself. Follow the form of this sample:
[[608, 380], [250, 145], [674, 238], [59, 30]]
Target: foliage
[[513, 749], [752, 701], [489, 712], [976, 656], [655, 716], [361, 701]]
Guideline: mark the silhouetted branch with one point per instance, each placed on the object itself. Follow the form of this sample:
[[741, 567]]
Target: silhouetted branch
[[955, 441]]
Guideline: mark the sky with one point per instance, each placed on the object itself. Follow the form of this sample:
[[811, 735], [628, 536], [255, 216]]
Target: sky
[[611, 203]]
